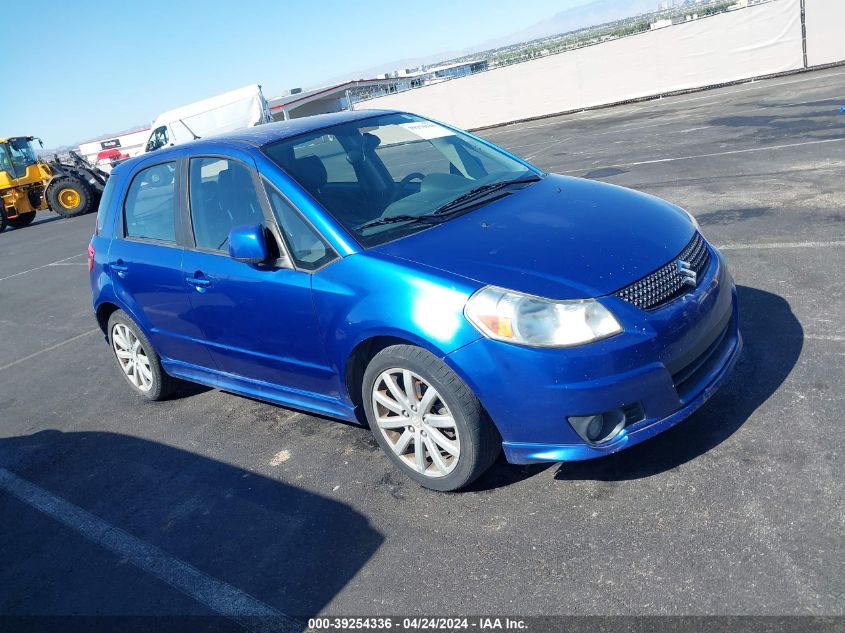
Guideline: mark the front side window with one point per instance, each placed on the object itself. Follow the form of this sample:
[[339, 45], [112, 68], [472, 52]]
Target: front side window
[[222, 196], [158, 138], [21, 156], [5, 162], [150, 205], [308, 250], [390, 175]]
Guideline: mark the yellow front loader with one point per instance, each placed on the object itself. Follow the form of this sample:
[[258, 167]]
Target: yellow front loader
[[29, 184]]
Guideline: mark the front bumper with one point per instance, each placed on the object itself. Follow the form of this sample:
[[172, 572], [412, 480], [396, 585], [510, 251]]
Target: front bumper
[[668, 362]]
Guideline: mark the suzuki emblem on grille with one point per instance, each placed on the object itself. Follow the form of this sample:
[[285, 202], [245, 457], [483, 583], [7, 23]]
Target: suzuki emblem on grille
[[688, 276]]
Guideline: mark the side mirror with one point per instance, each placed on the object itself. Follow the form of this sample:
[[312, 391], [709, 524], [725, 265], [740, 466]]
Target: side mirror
[[248, 244]]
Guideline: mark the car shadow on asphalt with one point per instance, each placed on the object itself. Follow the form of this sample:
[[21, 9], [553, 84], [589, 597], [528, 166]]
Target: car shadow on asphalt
[[287, 547], [773, 339], [502, 474]]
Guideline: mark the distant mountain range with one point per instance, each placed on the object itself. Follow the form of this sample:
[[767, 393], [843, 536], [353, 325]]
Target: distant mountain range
[[591, 13], [63, 149]]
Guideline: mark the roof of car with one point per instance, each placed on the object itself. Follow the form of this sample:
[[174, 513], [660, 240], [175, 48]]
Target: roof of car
[[271, 132], [264, 134]]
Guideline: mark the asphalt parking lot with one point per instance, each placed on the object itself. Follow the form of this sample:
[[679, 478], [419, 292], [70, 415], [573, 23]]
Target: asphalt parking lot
[[210, 501]]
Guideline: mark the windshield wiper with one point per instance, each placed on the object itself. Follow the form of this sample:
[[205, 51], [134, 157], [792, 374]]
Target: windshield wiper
[[451, 206], [393, 219], [479, 192]]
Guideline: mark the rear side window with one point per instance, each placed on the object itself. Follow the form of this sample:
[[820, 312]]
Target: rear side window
[[222, 196], [149, 209], [105, 203], [308, 250]]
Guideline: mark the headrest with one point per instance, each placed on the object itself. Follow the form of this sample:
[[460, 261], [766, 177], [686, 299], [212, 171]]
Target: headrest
[[310, 171], [237, 178]]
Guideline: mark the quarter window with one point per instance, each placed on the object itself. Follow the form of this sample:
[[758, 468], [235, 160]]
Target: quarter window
[[308, 250], [149, 209], [222, 197], [105, 203]]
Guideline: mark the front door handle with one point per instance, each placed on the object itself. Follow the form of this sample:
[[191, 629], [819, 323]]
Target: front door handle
[[198, 281]]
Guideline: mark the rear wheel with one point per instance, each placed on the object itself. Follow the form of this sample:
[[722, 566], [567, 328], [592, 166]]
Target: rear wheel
[[427, 420], [3, 221], [69, 197], [137, 359], [24, 219]]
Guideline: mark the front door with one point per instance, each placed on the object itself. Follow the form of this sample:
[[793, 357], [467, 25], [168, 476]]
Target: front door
[[259, 321]]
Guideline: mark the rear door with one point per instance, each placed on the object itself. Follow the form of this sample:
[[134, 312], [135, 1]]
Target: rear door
[[259, 321], [145, 264]]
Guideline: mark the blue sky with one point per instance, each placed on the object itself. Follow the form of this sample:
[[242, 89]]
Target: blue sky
[[148, 56]]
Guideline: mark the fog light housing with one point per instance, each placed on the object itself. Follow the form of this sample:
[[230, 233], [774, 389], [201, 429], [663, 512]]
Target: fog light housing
[[600, 427]]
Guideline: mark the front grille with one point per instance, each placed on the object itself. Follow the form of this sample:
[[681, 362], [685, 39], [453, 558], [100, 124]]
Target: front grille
[[667, 284]]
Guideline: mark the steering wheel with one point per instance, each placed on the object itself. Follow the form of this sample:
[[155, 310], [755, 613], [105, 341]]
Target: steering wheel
[[400, 186]]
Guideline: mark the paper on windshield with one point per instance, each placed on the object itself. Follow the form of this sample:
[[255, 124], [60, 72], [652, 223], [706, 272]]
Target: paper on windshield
[[426, 129]]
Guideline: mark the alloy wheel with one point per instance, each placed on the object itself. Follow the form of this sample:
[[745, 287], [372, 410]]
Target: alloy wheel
[[416, 422], [132, 357]]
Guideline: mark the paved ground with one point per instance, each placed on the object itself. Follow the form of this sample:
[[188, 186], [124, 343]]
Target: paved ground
[[210, 499]]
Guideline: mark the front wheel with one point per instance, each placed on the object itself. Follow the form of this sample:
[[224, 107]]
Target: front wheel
[[3, 221], [69, 197], [427, 420], [138, 361]]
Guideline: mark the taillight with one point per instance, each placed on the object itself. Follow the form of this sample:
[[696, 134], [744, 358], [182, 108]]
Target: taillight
[[90, 257]]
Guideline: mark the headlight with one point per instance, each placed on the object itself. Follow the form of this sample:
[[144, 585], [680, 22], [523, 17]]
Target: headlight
[[527, 320]]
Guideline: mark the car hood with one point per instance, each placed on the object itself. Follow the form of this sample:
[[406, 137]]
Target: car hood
[[562, 238]]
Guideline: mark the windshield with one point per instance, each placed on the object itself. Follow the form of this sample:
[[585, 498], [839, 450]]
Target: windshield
[[390, 175]]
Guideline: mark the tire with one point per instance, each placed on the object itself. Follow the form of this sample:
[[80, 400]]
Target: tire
[[25, 219], [160, 385], [69, 197], [462, 425], [3, 221]]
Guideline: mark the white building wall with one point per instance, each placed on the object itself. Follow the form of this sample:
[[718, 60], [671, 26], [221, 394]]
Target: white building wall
[[755, 41], [825, 22], [131, 144]]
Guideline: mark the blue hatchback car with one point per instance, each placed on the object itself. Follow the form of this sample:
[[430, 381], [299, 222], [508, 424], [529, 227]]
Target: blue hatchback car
[[380, 266]]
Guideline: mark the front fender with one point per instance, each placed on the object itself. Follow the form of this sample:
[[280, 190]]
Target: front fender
[[367, 295]]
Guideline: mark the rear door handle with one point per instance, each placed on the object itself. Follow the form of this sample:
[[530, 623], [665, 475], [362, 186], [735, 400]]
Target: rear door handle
[[120, 268]]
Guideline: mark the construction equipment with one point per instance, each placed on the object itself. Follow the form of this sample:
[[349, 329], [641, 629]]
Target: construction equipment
[[69, 187]]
